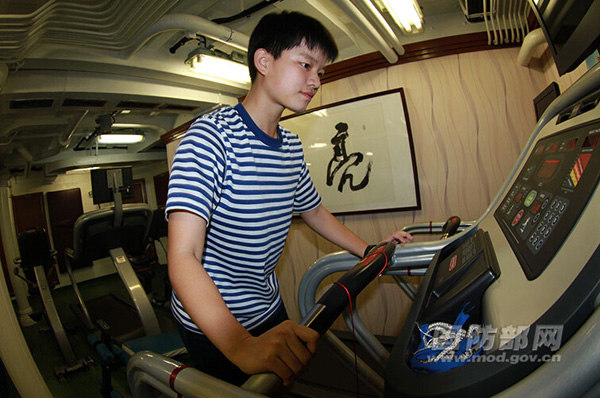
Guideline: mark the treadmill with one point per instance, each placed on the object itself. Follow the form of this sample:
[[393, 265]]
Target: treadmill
[[117, 232], [530, 272]]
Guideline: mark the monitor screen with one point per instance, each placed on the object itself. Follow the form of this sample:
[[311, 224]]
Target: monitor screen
[[107, 181], [571, 29]]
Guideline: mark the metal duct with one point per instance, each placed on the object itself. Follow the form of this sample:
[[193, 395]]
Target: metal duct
[[379, 23], [194, 25], [65, 138], [530, 43], [368, 30]]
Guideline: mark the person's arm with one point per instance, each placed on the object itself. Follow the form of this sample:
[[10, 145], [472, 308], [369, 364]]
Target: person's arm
[[284, 350], [325, 224]]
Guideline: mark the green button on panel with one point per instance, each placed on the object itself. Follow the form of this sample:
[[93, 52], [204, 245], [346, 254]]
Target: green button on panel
[[530, 198]]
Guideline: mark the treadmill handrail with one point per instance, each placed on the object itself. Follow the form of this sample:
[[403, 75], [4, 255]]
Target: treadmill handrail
[[406, 256], [410, 256], [148, 369]]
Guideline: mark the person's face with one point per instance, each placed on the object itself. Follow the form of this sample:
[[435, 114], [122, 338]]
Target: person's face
[[295, 76]]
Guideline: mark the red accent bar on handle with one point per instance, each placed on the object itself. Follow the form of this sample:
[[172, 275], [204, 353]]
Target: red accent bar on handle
[[173, 376]]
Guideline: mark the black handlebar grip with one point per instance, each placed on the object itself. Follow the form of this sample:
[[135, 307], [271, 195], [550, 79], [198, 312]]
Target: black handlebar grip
[[450, 227]]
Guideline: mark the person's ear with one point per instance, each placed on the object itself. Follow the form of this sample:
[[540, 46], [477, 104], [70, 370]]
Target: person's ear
[[262, 60]]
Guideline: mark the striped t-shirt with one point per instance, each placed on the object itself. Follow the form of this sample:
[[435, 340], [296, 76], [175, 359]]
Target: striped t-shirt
[[246, 185]]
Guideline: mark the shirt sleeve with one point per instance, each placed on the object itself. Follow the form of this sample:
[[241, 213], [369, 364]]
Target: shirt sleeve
[[307, 198], [198, 169]]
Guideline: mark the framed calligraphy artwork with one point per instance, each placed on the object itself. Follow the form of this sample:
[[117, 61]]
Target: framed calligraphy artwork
[[360, 153]]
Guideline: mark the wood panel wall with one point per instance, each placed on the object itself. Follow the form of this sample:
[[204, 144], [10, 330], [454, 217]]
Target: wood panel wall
[[471, 115]]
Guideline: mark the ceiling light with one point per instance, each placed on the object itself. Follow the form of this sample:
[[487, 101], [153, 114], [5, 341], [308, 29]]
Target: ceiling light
[[217, 64], [81, 170], [116, 138], [406, 13]]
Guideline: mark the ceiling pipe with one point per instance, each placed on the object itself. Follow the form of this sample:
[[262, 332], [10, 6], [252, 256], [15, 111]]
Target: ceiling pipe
[[12, 137], [368, 30], [530, 43], [24, 152], [65, 138], [379, 23], [334, 19], [192, 24]]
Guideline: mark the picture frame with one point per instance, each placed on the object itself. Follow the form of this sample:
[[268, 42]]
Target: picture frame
[[360, 153], [545, 98]]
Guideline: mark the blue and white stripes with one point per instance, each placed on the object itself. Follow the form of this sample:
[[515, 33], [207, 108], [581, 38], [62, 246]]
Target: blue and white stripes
[[247, 185]]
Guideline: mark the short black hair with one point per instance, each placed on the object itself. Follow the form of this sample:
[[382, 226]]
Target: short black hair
[[277, 32]]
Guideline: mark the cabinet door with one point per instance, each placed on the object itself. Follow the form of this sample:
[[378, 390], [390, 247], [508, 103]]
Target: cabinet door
[[64, 207], [30, 212]]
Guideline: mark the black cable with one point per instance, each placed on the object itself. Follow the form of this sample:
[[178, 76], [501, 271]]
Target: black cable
[[180, 43], [246, 13]]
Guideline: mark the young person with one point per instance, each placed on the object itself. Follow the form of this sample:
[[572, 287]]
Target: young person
[[237, 177]]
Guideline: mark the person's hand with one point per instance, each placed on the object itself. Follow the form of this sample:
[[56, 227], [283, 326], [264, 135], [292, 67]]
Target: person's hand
[[284, 350], [399, 237]]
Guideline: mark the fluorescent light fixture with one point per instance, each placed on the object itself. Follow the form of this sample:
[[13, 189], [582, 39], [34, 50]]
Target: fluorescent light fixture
[[217, 65], [406, 13], [82, 170], [116, 138]]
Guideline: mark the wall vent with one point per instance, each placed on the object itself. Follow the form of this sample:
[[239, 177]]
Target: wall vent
[[171, 107], [84, 103], [136, 104], [31, 103]]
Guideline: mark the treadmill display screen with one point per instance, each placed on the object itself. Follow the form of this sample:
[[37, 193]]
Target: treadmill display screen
[[549, 194], [547, 169]]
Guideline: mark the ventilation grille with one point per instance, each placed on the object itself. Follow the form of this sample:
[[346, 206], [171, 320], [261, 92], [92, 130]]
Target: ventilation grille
[[171, 107], [136, 104], [84, 103], [31, 103]]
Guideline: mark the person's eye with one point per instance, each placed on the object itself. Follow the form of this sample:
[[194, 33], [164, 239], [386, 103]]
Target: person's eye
[[305, 65]]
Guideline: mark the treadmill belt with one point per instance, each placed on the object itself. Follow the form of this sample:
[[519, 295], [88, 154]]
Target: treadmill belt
[[116, 314]]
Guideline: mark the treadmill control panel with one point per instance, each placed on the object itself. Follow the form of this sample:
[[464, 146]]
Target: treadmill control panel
[[548, 196], [462, 276]]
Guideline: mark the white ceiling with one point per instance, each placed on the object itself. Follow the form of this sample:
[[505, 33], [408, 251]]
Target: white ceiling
[[62, 64]]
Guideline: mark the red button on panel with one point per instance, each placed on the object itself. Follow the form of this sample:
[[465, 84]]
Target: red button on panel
[[517, 217]]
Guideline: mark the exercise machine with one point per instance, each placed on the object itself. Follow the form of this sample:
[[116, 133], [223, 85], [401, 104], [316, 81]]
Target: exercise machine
[[118, 324], [37, 262], [114, 232]]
